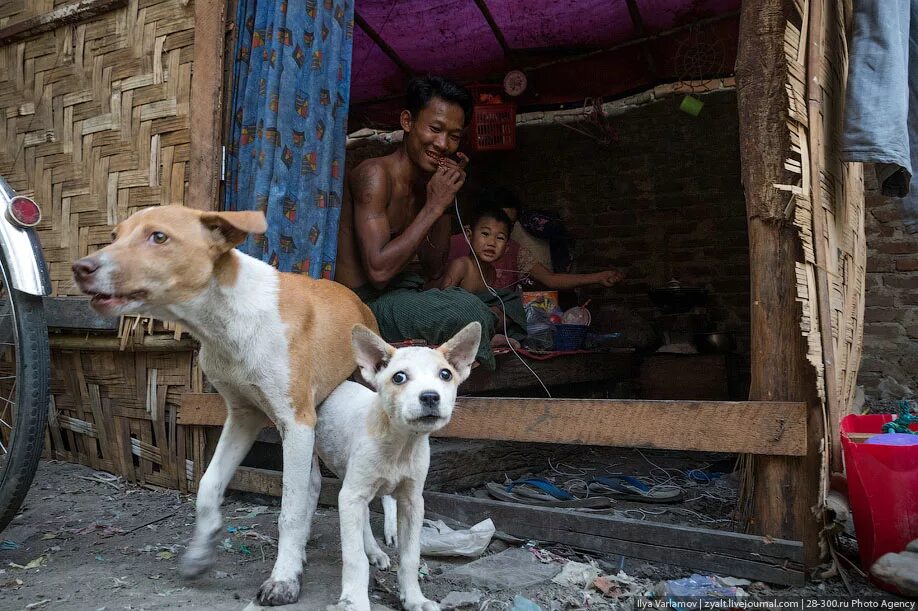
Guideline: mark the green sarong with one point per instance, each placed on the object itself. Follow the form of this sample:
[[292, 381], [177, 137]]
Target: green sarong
[[405, 311]]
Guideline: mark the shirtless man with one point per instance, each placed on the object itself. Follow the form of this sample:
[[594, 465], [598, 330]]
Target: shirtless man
[[395, 211]]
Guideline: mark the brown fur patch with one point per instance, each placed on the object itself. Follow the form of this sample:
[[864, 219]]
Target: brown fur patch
[[226, 269], [319, 315]]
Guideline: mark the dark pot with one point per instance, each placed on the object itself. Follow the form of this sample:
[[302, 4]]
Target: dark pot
[[674, 298]]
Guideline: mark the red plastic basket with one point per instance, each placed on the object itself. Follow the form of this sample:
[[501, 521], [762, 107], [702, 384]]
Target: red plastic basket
[[493, 124], [882, 489]]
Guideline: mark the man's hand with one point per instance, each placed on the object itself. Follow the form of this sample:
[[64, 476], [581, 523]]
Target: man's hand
[[608, 278], [446, 182]]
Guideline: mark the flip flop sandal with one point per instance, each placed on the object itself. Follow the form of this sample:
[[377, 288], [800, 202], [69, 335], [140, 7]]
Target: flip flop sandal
[[629, 488], [552, 496]]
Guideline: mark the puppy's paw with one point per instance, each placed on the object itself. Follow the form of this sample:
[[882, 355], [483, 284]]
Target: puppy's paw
[[197, 560], [379, 559], [273, 592], [421, 604]]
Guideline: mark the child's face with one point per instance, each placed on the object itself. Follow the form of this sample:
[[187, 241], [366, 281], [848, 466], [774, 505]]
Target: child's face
[[489, 239]]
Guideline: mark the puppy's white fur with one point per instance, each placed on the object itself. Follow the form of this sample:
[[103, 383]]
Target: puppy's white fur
[[378, 442]]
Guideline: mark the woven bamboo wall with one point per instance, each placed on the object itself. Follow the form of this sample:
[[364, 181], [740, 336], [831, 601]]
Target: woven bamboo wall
[[827, 205], [115, 404], [94, 120]]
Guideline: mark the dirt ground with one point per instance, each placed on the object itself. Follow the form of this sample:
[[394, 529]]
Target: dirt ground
[[86, 540]]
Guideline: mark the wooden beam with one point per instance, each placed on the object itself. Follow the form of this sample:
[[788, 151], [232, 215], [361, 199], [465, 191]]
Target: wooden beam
[[111, 343], [206, 112], [783, 490], [771, 560], [64, 14], [486, 12], [641, 32], [774, 428], [511, 374], [382, 44]]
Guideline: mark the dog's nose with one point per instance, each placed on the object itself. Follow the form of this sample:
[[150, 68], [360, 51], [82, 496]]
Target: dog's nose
[[430, 399], [85, 267]]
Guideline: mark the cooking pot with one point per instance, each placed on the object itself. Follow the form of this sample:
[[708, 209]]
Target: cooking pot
[[676, 298]]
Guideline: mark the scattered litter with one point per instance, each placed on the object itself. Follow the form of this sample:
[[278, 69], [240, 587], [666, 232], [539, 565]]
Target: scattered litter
[[220, 574], [164, 555], [515, 568], [245, 550], [734, 582], [235, 529], [34, 564], [103, 478], [255, 510], [698, 586], [423, 570], [47, 536], [521, 603], [8, 545], [576, 574], [104, 530], [604, 585], [99, 558], [11, 583], [40, 603], [155, 576], [461, 600], [438, 539], [227, 545]]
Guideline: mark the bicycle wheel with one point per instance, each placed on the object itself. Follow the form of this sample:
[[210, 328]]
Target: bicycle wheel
[[24, 373]]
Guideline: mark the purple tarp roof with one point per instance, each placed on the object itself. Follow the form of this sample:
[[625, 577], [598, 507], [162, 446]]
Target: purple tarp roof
[[569, 49]]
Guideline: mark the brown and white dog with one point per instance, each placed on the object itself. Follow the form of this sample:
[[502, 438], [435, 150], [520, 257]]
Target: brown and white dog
[[273, 344]]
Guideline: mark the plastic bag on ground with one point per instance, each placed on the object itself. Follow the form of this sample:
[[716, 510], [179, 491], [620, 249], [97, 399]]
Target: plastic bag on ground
[[438, 539]]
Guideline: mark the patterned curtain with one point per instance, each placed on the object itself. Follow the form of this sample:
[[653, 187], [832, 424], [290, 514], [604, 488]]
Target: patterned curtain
[[286, 148]]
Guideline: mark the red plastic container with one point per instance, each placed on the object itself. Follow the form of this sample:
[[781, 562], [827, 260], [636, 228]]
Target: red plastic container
[[493, 124], [882, 489]]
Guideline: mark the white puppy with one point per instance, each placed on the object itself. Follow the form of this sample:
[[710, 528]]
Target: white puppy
[[378, 442]]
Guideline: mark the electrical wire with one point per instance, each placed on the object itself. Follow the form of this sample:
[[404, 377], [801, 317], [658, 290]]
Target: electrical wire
[[503, 306]]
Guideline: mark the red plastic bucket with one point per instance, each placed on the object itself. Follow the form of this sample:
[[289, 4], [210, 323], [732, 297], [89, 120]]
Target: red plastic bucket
[[882, 489]]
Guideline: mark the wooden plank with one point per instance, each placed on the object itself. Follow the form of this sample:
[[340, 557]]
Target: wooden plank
[[206, 112], [570, 369], [75, 313], [771, 560], [72, 12], [752, 427], [149, 343]]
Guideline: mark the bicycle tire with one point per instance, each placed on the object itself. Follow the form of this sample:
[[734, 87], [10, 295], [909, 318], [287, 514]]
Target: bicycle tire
[[32, 380]]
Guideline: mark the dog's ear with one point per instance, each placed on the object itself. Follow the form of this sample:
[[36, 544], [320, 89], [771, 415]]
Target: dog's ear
[[230, 229], [370, 351], [460, 351]]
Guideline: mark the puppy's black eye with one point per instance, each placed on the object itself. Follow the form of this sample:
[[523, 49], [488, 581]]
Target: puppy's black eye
[[446, 375], [158, 237], [399, 378]]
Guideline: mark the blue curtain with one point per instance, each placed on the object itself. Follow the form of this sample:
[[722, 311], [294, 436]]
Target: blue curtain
[[286, 145]]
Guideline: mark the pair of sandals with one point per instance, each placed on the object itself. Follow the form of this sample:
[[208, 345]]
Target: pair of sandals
[[605, 489]]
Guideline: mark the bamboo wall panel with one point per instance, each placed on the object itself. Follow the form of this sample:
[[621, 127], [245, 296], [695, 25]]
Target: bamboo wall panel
[[94, 120], [827, 206]]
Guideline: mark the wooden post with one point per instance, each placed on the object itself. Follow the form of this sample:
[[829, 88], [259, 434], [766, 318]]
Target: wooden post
[[783, 490]]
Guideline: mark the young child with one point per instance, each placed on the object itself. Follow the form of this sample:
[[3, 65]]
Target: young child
[[489, 236]]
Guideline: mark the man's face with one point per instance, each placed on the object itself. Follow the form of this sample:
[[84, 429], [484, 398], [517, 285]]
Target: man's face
[[434, 133], [489, 239]]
